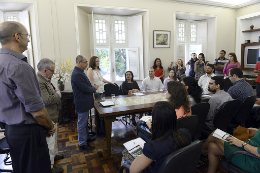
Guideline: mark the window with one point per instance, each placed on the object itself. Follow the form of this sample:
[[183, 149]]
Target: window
[[120, 31], [181, 32], [104, 65], [113, 55], [100, 30], [193, 32], [11, 16]]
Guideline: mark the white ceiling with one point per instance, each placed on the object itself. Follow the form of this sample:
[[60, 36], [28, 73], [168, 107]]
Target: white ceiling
[[191, 17], [111, 11], [222, 3], [7, 6]]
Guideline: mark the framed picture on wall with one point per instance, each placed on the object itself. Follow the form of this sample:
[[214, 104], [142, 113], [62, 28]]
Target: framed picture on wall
[[161, 38]]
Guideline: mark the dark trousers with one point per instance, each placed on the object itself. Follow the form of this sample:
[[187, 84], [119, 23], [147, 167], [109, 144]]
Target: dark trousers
[[28, 148], [257, 89]]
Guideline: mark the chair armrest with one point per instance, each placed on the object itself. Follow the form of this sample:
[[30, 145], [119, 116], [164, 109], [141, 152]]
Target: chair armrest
[[241, 152], [126, 167], [2, 130]]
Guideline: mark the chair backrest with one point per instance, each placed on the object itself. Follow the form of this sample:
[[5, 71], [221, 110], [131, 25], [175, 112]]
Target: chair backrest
[[111, 89], [188, 122], [184, 160], [201, 110], [243, 111], [225, 114]]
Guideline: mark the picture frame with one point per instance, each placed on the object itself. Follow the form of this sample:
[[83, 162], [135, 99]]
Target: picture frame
[[161, 39]]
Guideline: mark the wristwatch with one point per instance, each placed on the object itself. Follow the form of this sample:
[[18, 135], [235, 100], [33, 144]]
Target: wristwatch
[[243, 145]]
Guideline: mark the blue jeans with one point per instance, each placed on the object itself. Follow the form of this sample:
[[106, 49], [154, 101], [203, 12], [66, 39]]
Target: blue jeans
[[82, 127]]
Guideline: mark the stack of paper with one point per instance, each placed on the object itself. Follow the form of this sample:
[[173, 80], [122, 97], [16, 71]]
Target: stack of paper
[[107, 103], [138, 94]]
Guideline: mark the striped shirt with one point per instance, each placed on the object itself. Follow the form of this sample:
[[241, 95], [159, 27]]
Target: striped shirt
[[217, 62], [241, 90]]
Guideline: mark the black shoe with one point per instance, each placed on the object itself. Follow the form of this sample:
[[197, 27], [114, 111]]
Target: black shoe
[[91, 139], [86, 147], [56, 170], [58, 157]]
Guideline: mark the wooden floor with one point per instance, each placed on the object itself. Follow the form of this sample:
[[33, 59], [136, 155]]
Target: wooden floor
[[96, 161]]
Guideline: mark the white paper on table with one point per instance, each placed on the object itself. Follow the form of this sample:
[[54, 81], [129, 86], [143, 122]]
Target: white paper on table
[[146, 118], [107, 103], [133, 143], [138, 94]]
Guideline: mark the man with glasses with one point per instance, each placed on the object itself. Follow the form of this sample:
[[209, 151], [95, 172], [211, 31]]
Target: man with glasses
[[219, 63], [83, 99], [52, 100], [21, 106]]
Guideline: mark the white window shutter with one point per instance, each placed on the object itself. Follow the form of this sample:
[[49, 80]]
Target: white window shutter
[[133, 61]]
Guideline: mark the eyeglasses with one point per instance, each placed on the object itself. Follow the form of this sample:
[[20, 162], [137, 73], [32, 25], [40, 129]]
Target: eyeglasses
[[51, 70], [84, 62]]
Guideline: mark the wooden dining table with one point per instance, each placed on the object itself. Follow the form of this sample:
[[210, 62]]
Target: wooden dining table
[[124, 105]]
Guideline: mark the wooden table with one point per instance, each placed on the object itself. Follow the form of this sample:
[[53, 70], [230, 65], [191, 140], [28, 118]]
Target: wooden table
[[124, 105]]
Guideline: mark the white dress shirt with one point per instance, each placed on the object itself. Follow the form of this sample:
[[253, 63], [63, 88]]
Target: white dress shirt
[[204, 82], [152, 85]]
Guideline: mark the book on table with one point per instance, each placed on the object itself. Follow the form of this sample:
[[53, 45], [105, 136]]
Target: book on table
[[220, 134]]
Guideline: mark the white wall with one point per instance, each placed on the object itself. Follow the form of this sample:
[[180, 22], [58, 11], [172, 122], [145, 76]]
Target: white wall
[[211, 49], [83, 27]]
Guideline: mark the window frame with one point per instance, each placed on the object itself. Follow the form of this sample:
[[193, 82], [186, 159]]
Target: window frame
[[11, 14]]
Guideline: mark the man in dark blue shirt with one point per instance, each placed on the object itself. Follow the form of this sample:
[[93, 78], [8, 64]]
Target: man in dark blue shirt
[[240, 89], [83, 99]]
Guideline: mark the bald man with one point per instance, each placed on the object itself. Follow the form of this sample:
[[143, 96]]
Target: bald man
[[21, 106]]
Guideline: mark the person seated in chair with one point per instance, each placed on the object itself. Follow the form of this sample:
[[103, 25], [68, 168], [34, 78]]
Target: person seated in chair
[[130, 86], [217, 147], [194, 90], [177, 95], [152, 83], [204, 80], [165, 139], [240, 89], [216, 86]]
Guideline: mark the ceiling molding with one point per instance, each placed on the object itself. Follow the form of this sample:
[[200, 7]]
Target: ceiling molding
[[218, 4]]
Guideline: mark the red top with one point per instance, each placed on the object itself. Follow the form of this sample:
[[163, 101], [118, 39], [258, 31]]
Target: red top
[[257, 67], [158, 72]]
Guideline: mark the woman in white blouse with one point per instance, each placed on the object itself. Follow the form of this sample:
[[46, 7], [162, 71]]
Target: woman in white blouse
[[95, 76]]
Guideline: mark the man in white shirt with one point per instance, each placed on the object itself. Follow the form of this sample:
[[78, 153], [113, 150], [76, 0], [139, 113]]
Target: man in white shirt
[[205, 79], [152, 83]]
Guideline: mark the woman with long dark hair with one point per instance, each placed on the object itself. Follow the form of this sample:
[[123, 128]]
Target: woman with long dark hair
[[194, 90], [177, 95], [129, 86], [165, 139], [172, 77], [230, 64], [199, 66], [158, 69]]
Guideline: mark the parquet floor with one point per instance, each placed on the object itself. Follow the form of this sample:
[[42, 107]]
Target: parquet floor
[[96, 161]]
